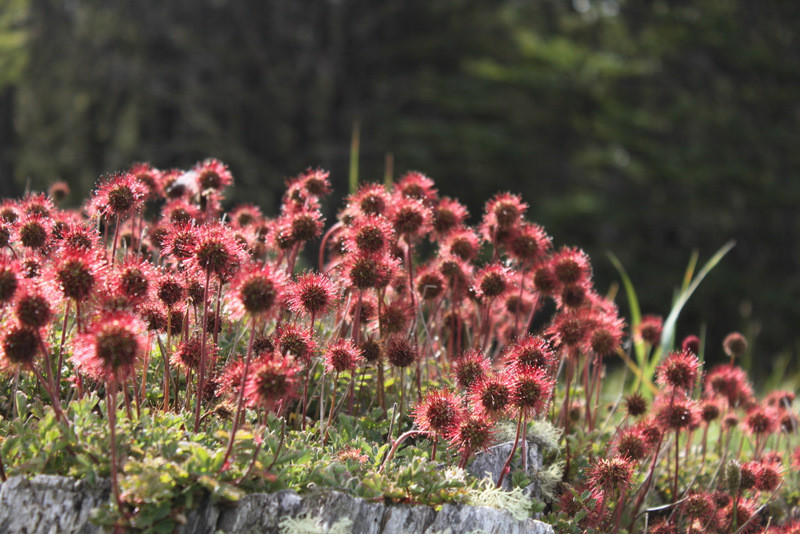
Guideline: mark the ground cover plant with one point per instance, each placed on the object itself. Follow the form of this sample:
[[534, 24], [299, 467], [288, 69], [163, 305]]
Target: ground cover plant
[[189, 354]]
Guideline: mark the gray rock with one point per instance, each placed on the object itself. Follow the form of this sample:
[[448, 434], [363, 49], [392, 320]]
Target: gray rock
[[60, 505], [49, 504], [259, 512], [403, 518], [455, 518], [492, 460]]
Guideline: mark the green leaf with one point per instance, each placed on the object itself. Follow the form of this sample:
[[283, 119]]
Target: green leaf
[[668, 334]]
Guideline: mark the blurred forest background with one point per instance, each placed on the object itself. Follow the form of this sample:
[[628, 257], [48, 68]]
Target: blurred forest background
[[647, 128]]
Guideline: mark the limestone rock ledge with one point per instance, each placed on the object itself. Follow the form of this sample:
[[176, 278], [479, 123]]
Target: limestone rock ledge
[[49, 504]]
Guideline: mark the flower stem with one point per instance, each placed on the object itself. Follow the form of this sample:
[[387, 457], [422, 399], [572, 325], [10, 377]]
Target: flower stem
[[201, 375], [507, 465], [240, 399]]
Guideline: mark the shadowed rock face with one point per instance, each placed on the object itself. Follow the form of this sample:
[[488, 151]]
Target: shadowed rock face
[[491, 461], [54, 505]]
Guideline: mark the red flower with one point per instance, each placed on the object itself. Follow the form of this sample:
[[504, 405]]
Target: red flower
[[691, 344], [365, 271], [416, 185], [255, 290], [179, 212], [212, 174], [734, 344], [571, 266], [697, 505], [37, 205], [274, 379], [111, 347], [529, 243], [316, 182], [312, 293], [448, 215], [75, 274], [571, 327], [187, 354], [502, 212], [679, 370], [10, 278], [32, 307], [530, 353], [399, 351], [134, 279], [245, 215], [342, 356], [58, 191], [470, 368], [370, 199], [709, 410], [474, 433], [463, 243], [430, 283], [761, 422], [606, 336], [169, 289], [410, 217], [78, 236], [728, 382], [674, 412], [216, 251], [491, 397], [635, 404], [611, 475], [632, 443], [492, 281], [19, 345], [369, 234], [296, 341], [149, 177], [34, 232], [530, 390], [650, 329], [439, 412], [120, 195]]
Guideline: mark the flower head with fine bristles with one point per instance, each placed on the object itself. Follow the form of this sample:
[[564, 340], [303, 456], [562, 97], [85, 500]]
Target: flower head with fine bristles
[[216, 251], [679, 370], [111, 347], [255, 290], [120, 196], [342, 356], [312, 293], [611, 475], [439, 412], [274, 379]]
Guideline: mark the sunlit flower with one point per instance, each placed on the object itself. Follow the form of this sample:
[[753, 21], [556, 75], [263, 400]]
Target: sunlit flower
[[111, 347]]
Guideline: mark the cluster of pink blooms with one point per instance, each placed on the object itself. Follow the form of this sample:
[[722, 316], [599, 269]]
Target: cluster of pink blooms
[[152, 274]]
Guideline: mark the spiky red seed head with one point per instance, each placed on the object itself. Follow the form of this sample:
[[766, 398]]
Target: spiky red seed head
[[470, 368], [111, 347], [342, 356], [274, 379], [491, 396], [734, 344], [439, 412], [611, 475], [33, 233], [19, 345], [650, 329], [400, 352], [635, 404], [472, 434], [530, 390], [679, 370], [530, 352], [312, 294], [691, 344], [33, 309]]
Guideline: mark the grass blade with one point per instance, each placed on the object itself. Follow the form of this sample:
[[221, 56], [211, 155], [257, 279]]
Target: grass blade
[[668, 334]]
